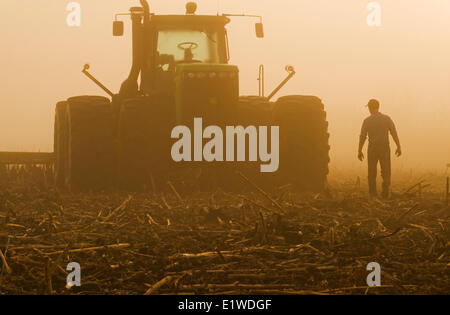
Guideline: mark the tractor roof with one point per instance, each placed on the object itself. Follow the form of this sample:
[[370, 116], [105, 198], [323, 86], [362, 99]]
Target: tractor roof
[[190, 19]]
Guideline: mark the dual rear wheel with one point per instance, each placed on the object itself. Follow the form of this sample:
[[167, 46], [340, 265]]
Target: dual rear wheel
[[94, 152], [303, 140], [83, 143]]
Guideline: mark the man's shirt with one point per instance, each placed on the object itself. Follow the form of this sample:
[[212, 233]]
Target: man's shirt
[[377, 126]]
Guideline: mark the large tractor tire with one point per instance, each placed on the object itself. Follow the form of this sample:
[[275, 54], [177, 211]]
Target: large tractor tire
[[89, 164], [252, 111], [304, 141], [60, 145], [143, 143]]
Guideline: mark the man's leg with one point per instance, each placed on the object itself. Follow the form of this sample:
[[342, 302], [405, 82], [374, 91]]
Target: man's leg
[[385, 163], [372, 161]]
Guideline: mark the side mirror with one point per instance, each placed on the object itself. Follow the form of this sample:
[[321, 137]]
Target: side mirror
[[118, 28], [259, 28]]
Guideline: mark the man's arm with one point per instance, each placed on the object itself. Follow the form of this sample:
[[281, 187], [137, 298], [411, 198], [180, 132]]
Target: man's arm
[[394, 135], [362, 140]]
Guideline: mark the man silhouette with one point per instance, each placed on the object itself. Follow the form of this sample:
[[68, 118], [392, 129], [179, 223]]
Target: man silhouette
[[378, 126]]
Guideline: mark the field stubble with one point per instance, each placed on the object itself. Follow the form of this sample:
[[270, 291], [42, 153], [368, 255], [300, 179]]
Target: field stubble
[[256, 242]]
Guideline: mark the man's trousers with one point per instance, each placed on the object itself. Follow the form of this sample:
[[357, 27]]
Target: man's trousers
[[382, 155]]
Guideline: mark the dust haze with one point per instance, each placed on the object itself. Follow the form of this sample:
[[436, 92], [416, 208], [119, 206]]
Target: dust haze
[[338, 57]]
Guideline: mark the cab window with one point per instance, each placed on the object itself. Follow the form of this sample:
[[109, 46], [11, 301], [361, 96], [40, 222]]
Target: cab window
[[186, 45]]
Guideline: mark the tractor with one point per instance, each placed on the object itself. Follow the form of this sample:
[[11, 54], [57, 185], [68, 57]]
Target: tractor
[[180, 70]]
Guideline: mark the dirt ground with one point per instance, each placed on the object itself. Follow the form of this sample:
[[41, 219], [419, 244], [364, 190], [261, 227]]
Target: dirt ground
[[257, 242]]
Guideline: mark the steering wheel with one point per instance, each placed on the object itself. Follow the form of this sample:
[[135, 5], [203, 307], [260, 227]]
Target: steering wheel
[[187, 45]]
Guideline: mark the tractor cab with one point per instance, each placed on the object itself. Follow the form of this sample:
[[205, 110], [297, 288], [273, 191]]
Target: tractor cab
[[164, 44], [183, 40]]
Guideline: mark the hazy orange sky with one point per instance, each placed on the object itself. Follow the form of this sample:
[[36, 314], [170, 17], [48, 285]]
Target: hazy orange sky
[[338, 57]]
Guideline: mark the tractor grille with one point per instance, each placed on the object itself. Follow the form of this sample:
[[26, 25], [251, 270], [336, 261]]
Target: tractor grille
[[211, 95]]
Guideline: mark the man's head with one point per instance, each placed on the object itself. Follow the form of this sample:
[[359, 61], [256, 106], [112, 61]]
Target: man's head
[[374, 106]]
